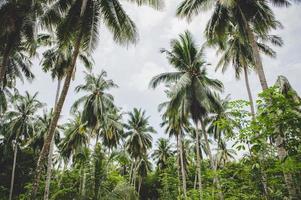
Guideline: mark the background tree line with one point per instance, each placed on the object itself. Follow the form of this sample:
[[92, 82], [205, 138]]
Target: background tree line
[[218, 149]]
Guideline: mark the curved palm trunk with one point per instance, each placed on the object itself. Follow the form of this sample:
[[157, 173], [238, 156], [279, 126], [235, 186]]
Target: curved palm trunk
[[198, 159], [57, 111], [13, 172], [49, 164], [183, 173], [213, 166]]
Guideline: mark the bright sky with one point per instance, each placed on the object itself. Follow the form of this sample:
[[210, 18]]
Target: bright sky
[[133, 67]]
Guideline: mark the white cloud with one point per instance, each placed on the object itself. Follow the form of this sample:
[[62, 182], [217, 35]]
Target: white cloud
[[141, 79]]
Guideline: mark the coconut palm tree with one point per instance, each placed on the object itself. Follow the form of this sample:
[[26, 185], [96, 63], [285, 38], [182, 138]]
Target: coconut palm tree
[[176, 123], [20, 122], [142, 168], [76, 136], [138, 138], [250, 17], [56, 60], [193, 90], [18, 69], [79, 28], [17, 23], [162, 153], [224, 154], [97, 102], [111, 130], [81, 159], [238, 53]]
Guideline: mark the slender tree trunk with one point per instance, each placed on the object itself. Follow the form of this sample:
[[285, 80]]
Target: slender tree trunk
[[49, 164], [13, 171], [195, 181], [213, 165], [57, 111], [255, 54], [139, 186], [182, 165], [178, 164], [198, 159], [249, 92], [288, 178], [281, 151], [131, 173]]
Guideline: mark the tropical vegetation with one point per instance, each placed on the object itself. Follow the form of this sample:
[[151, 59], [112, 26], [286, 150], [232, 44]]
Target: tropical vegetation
[[211, 146]]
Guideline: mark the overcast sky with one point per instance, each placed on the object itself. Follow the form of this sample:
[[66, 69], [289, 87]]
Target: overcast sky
[[133, 67]]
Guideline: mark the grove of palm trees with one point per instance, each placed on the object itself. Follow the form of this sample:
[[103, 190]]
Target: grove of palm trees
[[73, 129]]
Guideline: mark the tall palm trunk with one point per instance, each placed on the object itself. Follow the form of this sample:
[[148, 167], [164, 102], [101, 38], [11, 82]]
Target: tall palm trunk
[[259, 68], [198, 158], [249, 92], [49, 163], [131, 173], [183, 173], [13, 171], [288, 178], [262, 79], [178, 164], [255, 54], [213, 165], [57, 111]]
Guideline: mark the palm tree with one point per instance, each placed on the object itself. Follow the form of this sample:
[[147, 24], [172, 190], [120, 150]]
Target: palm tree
[[250, 17], [176, 123], [21, 123], [97, 102], [76, 136], [17, 23], [224, 154], [138, 138], [81, 159], [18, 69], [162, 153], [79, 28], [142, 168], [238, 52], [193, 89], [111, 130], [56, 60]]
